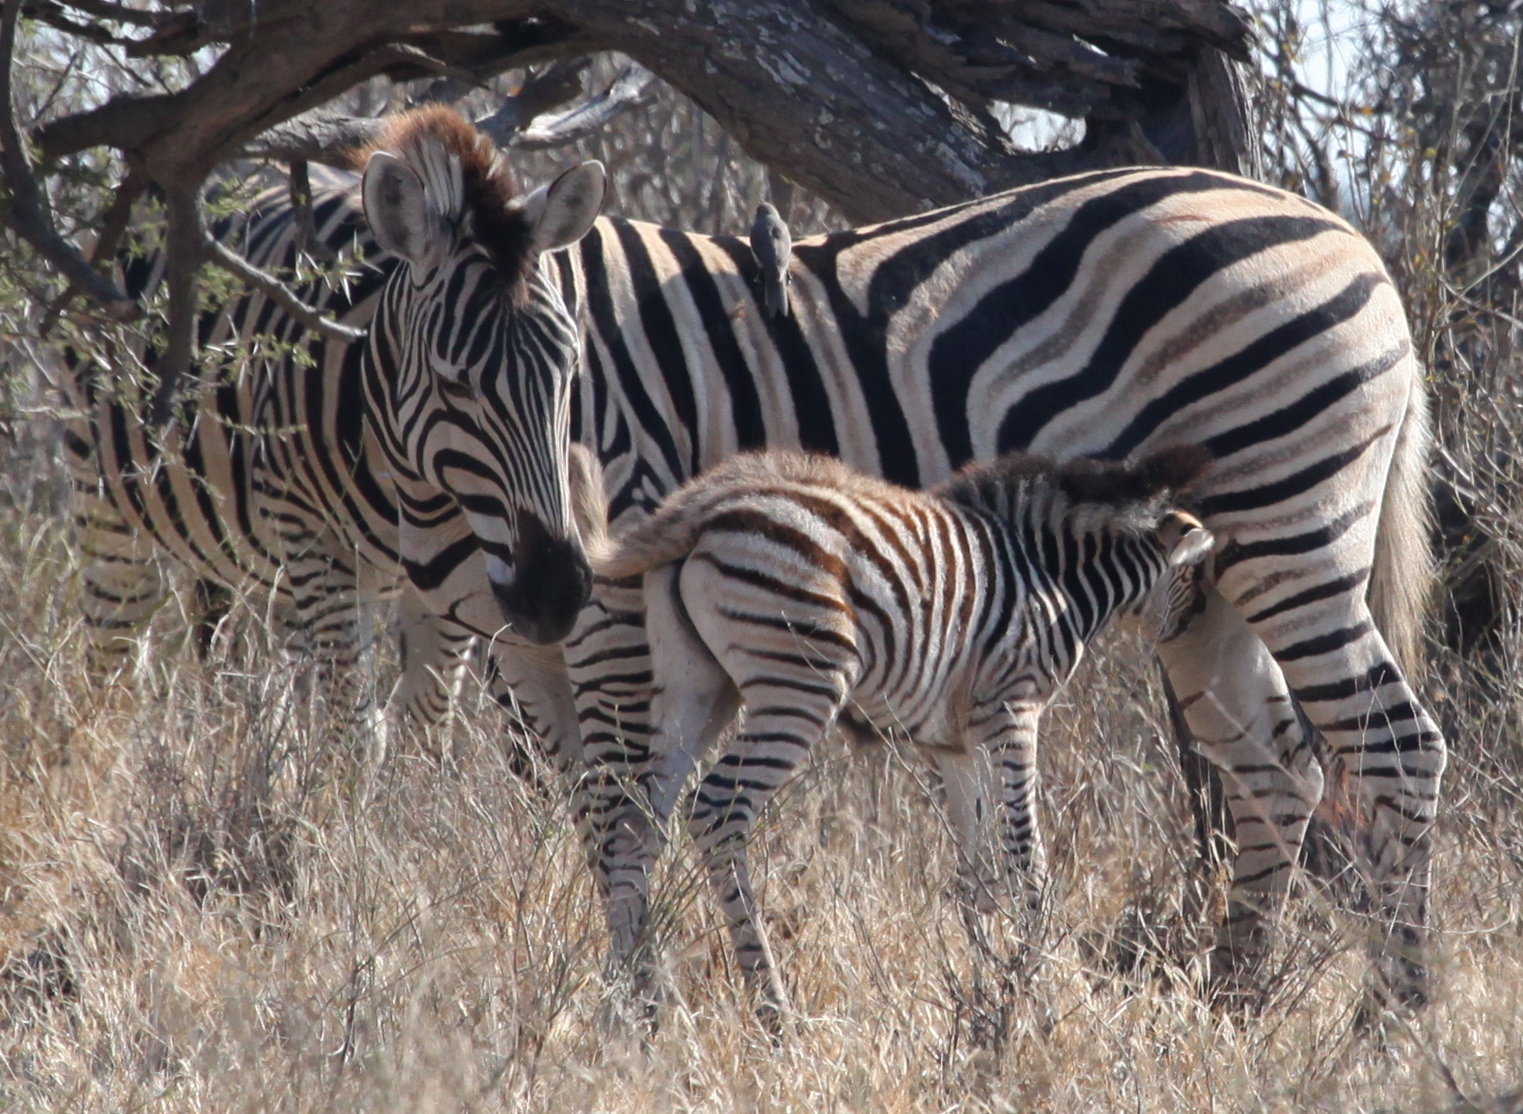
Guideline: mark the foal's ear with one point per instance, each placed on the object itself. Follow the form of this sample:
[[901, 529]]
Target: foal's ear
[[1184, 538]]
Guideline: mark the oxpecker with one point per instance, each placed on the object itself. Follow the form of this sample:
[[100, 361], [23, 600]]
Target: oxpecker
[[773, 248]]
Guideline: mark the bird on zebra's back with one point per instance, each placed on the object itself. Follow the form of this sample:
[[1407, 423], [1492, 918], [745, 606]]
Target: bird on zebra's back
[[772, 244], [789, 587]]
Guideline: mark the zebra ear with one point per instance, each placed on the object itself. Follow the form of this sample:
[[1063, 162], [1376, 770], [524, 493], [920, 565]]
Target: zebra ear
[[396, 205], [562, 212], [1184, 538]]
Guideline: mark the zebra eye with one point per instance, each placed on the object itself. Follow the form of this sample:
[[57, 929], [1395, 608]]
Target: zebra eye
[[456, 388], [452, 380]]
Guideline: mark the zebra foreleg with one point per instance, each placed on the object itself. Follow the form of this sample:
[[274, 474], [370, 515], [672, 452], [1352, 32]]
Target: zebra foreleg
[[1235, 701], [998, 840], [433, 656], [967, 778], [123, 586], [530, 684], [326, 627], [1009, 731]]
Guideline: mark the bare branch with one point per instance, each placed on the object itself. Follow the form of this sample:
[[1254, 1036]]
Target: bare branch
[[27, 213], [795, 85], [301, 205], [318, 136], [278, 292], [321, 136], [45, 11], [634, 86], [540, 93], [118, 13], [183, 251]]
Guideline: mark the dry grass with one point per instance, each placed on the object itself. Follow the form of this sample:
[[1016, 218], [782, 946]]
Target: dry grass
[[196, 920]]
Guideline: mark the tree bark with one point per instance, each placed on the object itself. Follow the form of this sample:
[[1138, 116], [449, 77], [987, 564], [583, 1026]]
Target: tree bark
[[795, 83]]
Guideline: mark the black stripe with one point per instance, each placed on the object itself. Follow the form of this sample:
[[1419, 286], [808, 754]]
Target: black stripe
[[1257, 355], [719, 329], [1325, 591], [1324, 643], [1297, 483], [1173, 277], [605, 322], [660, 330]]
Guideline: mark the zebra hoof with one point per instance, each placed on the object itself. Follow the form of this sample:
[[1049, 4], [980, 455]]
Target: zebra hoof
[[772, 1016]]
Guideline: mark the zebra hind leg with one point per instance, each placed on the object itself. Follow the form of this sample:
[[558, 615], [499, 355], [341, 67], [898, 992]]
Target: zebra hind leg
[[1234, 699], [786, 716], [1352, 690], [692, 703]]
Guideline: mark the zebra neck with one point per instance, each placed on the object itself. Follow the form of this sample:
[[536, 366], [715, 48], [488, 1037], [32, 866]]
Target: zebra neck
[[682, 359]]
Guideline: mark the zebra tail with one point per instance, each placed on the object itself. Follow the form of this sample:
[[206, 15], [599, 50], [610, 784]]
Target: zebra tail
[[589, 504], [668, 535], [656, 541], [1402, 578]]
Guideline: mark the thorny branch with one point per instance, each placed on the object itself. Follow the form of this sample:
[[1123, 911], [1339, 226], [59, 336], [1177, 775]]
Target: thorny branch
[[879, 106], [321, 136], [113, 226], [279, 292], [184, 247]]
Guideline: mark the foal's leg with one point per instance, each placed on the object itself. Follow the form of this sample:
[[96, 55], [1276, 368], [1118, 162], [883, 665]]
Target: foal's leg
[[693, 701], [793, 688], [998, 841]]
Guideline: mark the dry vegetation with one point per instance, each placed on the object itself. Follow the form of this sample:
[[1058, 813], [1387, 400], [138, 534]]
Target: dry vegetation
[[204, 909], [195, 923]]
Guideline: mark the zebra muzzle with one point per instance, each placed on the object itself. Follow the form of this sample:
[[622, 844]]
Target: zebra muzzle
[[551, 583]]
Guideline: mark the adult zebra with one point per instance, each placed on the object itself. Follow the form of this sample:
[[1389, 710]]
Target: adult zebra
[[272, 484], [1105, 314]]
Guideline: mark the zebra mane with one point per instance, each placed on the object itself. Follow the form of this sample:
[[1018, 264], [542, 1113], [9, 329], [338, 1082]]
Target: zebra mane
[[1125, 494], [466, 178]]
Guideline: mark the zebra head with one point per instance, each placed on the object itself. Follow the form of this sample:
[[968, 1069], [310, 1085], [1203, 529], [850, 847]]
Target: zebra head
[[473, 355]]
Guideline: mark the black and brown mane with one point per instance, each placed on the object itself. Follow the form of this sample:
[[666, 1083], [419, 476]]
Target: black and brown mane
[[490, 211], [1084, 480]]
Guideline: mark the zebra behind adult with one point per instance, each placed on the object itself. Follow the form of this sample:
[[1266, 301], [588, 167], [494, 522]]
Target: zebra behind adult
[[1101, 315], [792, 587]]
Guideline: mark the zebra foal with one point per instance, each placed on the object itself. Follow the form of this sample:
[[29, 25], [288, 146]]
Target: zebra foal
[[789, 586]]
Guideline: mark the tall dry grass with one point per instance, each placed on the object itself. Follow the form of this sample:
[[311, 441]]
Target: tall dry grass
[[203, 907], [196, 920]]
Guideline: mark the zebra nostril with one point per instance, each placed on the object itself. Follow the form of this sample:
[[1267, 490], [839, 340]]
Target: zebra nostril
[[550, 585]]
